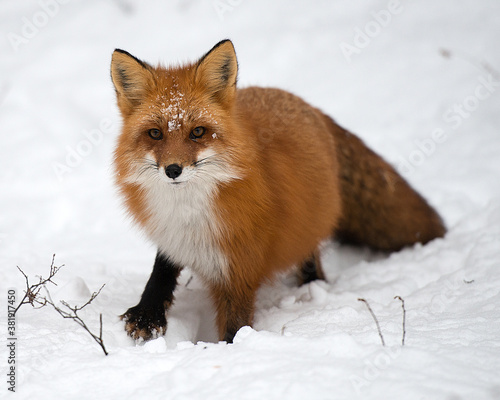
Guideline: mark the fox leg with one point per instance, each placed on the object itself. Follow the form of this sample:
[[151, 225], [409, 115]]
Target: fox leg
[[147, 319], [235, 308], [310, 269]]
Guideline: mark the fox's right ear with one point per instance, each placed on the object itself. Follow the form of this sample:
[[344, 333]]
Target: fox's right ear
[[131, 78]]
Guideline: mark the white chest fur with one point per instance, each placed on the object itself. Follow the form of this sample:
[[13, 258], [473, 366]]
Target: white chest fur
[[184, 227]]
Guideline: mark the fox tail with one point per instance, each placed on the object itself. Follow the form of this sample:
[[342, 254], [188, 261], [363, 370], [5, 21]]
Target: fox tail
[[380, 209]]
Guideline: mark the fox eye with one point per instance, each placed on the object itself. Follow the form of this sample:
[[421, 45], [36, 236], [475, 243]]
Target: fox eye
[[155, 134], [197, 132]]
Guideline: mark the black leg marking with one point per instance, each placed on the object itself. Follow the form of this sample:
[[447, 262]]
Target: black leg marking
[[310, 269], [147, 319], [229, 337]]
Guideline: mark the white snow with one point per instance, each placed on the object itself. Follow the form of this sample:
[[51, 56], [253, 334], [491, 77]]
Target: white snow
[[421, 87]]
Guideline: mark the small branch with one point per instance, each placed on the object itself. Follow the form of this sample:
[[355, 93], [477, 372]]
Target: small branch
[[445, 53], [375, 319], [73, 314], [31, 294], [100, 330], [404, 318]]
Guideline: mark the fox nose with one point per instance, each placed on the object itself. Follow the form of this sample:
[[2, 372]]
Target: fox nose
[[173, 171]]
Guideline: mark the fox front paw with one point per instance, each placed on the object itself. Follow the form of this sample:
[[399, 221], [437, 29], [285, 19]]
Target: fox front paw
[[145, 322]]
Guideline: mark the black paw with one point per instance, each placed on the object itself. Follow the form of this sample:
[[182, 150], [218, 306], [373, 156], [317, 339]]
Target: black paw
[[143, 322]]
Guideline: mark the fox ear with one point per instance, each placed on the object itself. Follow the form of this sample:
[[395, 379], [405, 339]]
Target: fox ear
[[217, 71], [131, 78]]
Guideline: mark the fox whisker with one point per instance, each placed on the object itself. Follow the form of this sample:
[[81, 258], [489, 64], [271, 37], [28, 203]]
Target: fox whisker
[[145, 166], [208, 159]]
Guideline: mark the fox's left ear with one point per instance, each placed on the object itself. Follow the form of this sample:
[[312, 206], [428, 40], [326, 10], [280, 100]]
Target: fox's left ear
[[217, 71]]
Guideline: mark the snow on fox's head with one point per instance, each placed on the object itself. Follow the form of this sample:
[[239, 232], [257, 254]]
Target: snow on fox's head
[[176, 121]]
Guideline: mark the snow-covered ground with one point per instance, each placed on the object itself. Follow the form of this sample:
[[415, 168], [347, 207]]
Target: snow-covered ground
[[418, 81]]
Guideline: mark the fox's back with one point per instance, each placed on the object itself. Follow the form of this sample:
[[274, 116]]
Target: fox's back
[[297, 148], [296, 161], [287, 128]]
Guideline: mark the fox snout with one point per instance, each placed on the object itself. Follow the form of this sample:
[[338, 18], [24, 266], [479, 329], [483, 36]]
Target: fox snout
[[173, 171]]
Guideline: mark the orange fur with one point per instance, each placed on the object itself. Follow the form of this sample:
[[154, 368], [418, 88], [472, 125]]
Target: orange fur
[[294, 178]]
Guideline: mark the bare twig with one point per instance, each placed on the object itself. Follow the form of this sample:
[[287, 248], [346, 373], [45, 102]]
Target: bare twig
[[445, 53], [100, 329], [404, 318], [481, 65], [73, 314], [31, 295], [375, 319]]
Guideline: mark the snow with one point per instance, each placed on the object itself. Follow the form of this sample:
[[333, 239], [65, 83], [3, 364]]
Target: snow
[[420, 86]]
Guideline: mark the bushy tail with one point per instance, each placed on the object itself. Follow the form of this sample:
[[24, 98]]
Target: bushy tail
[[380, 209]]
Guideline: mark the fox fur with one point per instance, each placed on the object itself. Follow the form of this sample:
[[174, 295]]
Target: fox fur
[[241, 184]]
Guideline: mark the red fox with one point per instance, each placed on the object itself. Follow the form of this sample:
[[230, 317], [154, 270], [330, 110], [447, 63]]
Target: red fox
[[240, 184]]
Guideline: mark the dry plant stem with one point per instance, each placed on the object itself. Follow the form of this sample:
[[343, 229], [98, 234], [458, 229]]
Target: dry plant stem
[[404, 319], [375, 319], [31, 295], [73, 314], [467, 58]]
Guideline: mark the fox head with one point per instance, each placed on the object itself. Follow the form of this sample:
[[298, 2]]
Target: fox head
[[178, 127]]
